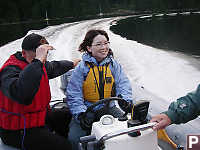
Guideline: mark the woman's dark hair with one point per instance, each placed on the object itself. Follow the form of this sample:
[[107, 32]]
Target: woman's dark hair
[[89, 37]]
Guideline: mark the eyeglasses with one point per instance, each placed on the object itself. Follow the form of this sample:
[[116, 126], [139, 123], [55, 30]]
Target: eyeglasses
[[99, 45]]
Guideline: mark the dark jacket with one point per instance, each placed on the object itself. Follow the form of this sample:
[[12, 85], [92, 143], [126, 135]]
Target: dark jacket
[[23, 90], [185, 108], [22, 85]]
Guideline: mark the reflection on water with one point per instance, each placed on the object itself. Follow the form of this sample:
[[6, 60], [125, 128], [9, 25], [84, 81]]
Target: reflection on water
[[12, 31], [171, 32]]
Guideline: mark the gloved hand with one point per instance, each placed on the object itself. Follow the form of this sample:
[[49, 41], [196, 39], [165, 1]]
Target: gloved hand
[[125, 106], [86, 120]]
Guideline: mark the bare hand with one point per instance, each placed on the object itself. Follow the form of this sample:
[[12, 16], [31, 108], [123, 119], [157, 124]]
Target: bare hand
[[42, 51], [76, 61], [163, 121]]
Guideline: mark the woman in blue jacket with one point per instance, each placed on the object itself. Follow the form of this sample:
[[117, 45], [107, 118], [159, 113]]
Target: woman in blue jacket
[[97, 76]]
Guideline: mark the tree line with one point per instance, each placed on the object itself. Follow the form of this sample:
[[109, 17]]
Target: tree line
[[23, 10], [20, 16]]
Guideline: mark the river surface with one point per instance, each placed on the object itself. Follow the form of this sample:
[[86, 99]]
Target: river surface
[[164, 74]]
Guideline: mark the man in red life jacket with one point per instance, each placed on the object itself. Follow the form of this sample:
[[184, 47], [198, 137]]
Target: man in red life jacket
[[25, 97]]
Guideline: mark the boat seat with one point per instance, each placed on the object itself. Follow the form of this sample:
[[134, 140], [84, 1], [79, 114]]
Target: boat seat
[[5, 147]]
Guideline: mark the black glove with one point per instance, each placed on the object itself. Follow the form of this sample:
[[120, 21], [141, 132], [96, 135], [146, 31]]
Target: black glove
[[125, 106], [86, 120]]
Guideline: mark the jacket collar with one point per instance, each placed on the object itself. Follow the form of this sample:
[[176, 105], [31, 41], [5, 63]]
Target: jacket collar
[[88, 58], [19, 56]]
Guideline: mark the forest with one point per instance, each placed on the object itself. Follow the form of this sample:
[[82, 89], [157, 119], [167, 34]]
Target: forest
[[20, 16], [24, 10]]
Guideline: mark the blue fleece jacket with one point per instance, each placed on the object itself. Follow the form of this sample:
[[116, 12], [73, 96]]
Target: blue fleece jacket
[[75, 98]]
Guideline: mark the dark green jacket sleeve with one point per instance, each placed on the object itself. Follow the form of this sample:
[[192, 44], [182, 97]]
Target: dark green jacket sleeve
[[185, 108]]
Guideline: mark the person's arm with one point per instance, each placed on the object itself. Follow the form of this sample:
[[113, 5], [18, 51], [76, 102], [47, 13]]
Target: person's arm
[[75, 99], [21, 85], [185, 108], [123, 85], [57, 68], [182, 110]]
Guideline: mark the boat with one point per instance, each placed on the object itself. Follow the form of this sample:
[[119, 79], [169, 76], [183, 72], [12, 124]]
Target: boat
[[130, 131], [5, 147], [116, 133]]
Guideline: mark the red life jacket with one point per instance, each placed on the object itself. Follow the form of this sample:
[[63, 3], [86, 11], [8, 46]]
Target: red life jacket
[[15, 116]]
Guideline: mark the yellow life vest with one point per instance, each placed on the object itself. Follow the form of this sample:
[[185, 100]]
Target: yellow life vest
[[99, 83]]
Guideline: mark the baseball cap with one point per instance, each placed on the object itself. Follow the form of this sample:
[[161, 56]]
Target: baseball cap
[[32, 41]]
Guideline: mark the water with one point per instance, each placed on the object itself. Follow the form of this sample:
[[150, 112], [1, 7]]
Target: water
[[176, 65], [174, 32], [166, 74]]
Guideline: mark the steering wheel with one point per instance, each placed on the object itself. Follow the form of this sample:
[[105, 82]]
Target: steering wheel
[[105, 101]]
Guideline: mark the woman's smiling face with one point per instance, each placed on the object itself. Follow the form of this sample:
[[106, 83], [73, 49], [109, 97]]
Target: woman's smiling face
[[99, 48]]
